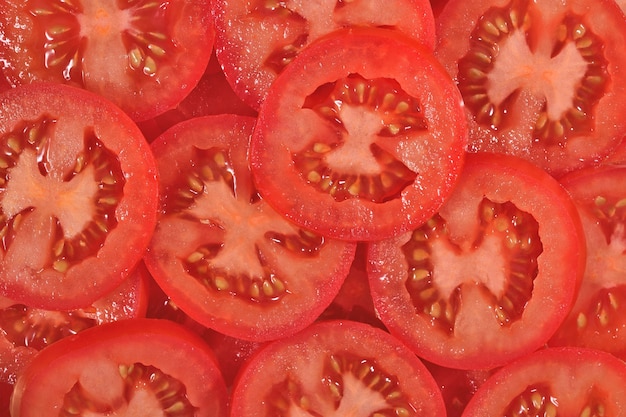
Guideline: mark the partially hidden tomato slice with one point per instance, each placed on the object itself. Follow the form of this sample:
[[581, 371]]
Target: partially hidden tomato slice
[[361, 137], [257, 39], [597, 319], [336, 368], [24, 330], [540, 80], [140, 367], [78, 196], [144, 55], [554, 382], [221, 253], [491, 276]]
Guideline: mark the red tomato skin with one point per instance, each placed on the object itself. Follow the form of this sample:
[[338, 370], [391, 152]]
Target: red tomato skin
[[136, 211], [163, 344], [388, 271], [330, 58]]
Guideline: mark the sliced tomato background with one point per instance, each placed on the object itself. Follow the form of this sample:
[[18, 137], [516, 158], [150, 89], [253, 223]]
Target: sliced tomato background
[[256, 39], [540, 80], [336, 368], [129, 367], [361, 137], [78, 196], [143, 55], [491, 276], [221, 253], [597, 319], [556, 381]]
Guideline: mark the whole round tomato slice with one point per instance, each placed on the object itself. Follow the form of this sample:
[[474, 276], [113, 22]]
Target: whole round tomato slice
[[554, 382], [140, 367], [491, 276], [361, 137], [598, 318], [256, 39], [143, 55], [540, 80], [78, 196], [336, 368], [221, 253]]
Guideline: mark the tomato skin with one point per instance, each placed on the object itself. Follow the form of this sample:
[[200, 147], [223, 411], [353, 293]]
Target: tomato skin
[[520, 93], [226, 258], [574, 379], [74, 118], [448, 311], [143, 56], [286, 127], [92, 357], [302, 362]]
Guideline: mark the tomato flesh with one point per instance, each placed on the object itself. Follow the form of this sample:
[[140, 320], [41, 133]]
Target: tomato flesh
[[77, 183], [221, 253], [145, 56], [540, 81], [361, 137], [467, 289], [336, 368]]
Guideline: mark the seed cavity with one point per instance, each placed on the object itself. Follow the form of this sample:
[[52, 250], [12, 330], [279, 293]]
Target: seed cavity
[[344, 376], [518, 233], [170, 393], [400, 114], [493, 29], [536, 400]]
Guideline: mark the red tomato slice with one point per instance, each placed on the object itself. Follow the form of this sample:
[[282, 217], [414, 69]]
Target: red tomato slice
[[554, 382], [221, 253], [540, 80], [491, 276], [336, 368], [135, 367], [256, 39], [143, 55], [361, 137], [78, 196], [25, 330], [597, 319]]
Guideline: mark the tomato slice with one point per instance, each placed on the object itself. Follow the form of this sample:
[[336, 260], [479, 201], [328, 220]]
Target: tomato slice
[[540, 80], [336, 368], [597, 320], [140, 367], [554, 382], [143, 55], [78, 196], [361, 137], [491, 276], [256, 39], [221, 253], [25, 330]]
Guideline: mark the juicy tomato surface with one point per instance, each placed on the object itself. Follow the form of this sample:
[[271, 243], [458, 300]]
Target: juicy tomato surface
[[336, 368], [221, 253], [78, 196], [141, 368], [491, 276], [361, 137], [554, 382], [541, 80], [25, 330], [257, 39], [597, 320], [144, 55]]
